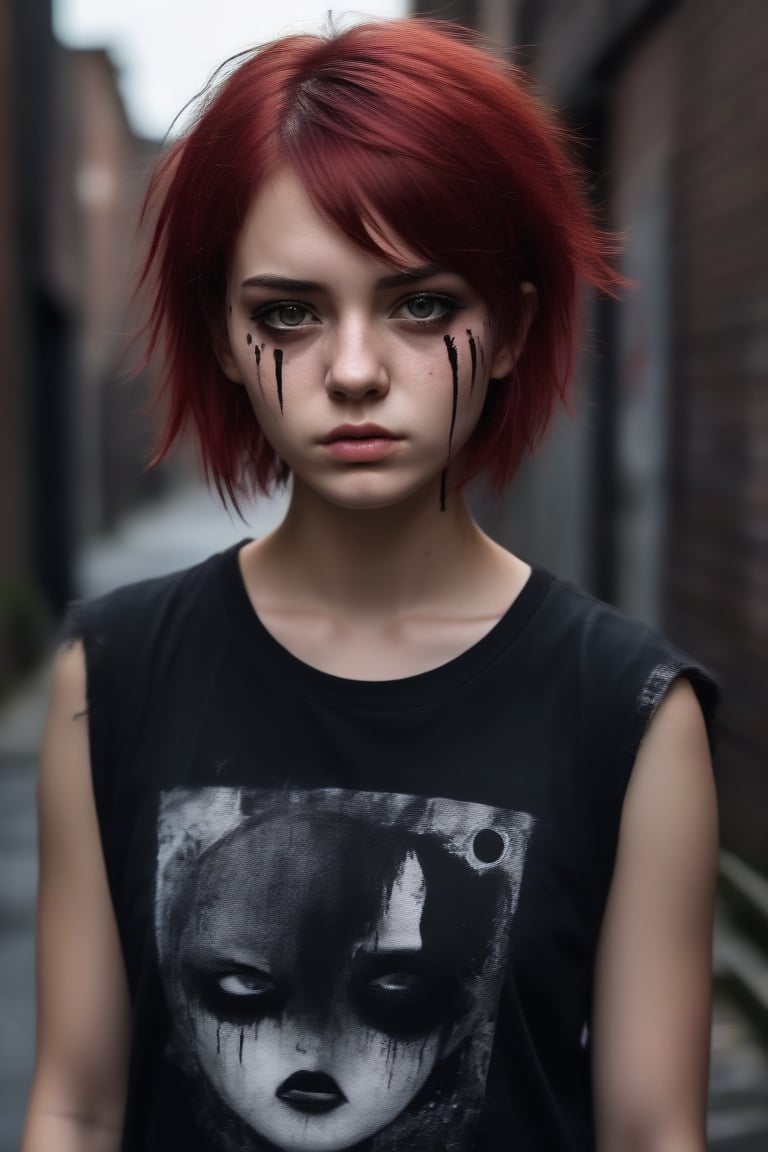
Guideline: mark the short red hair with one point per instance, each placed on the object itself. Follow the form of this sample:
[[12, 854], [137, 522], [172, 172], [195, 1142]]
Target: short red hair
[[406, 122]]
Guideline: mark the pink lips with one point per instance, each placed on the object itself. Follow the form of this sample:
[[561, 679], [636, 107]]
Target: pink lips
[[360, 442]]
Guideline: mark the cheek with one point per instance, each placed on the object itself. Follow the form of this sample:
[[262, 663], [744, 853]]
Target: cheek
[[243, 1064], [464, 384], [387, 1073], [263, 376]]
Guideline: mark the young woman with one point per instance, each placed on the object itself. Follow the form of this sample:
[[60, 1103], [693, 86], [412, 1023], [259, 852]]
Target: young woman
[[367, 834]]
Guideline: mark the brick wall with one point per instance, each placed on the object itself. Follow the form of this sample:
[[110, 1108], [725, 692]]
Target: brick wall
[[717, 570], [709, 61], [639, 158]]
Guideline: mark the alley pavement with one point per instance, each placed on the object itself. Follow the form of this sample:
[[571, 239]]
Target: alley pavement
[[183, 528]]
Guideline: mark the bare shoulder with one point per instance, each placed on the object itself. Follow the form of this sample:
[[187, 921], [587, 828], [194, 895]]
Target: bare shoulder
[[670, 802], [68, 671], [68, 684], [65, 777]]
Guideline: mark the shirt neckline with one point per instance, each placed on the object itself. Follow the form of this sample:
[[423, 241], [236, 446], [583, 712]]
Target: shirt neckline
[[256, 642]]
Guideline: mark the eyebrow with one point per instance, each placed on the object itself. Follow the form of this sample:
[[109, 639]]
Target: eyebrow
[[287, 284]]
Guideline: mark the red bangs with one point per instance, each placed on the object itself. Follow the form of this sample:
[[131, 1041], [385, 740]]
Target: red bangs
[[404, 124]]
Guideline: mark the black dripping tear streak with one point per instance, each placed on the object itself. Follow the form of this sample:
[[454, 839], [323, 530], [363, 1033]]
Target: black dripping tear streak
[[453, 360], [257, 351], [249, 338], [473, 357], [278, 354]]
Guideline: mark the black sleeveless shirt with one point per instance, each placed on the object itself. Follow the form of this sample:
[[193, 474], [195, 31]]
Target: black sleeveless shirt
[[361, 915]]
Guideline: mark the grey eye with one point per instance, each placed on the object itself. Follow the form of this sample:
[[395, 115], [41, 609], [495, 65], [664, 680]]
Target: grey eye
[[422, 307], [290, 315], [427, 308]]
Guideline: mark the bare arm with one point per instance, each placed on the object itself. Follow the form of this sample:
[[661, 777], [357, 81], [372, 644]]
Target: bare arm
[[77, 1098], [653, 974]]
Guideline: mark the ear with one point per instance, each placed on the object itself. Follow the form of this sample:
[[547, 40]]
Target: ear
[[508, 353], [222, 348]]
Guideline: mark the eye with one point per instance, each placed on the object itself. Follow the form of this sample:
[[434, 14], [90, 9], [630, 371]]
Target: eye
[[240, 995], [405, 995], [284, 316], [427, 308], [250, 982]]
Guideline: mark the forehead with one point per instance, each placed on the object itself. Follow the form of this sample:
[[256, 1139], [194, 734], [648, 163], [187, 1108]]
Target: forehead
[[269, 894], [283, 232]]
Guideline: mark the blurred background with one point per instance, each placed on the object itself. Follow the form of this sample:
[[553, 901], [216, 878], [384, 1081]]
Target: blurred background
[[652, 493]]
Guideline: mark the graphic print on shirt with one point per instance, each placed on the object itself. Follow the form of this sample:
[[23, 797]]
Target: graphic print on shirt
[[332, 963]]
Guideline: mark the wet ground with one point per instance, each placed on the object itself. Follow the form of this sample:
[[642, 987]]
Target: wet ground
[[184, 528]]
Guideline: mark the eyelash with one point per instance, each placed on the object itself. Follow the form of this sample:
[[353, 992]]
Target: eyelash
[[450, 304]]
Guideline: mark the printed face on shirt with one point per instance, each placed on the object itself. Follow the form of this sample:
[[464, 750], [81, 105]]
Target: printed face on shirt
[[367, 377], [324, 971]]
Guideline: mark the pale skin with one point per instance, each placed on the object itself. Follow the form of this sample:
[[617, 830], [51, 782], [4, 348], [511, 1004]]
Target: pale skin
[[368, 579]]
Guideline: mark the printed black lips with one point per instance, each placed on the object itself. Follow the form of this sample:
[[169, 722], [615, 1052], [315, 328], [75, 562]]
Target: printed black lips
[[313, 1093]]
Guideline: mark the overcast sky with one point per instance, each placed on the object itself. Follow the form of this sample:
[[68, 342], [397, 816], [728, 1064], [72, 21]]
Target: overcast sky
[[165, 50]]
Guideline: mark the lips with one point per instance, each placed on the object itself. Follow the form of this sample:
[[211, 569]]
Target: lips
[[360, 443], [313, 1093], [358, 432]]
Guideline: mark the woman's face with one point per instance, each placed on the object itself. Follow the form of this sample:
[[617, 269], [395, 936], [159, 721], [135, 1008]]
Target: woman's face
[[366, 379], [315, 1035]]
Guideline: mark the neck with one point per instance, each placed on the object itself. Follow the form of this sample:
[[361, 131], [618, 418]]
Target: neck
[[376, 561]]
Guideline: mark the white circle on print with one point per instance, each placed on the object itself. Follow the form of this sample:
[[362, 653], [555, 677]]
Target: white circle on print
[[487, 848]]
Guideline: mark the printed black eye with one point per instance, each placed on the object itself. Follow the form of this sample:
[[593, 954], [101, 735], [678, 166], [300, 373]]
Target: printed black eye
[[284, 316], [248, 983], [241, 995], [402, 996]]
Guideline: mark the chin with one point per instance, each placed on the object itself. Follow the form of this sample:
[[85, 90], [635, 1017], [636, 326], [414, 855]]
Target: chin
[[360, 493], [371, 501]]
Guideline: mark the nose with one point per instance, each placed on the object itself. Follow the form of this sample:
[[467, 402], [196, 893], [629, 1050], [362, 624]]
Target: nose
[[356, 368]]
